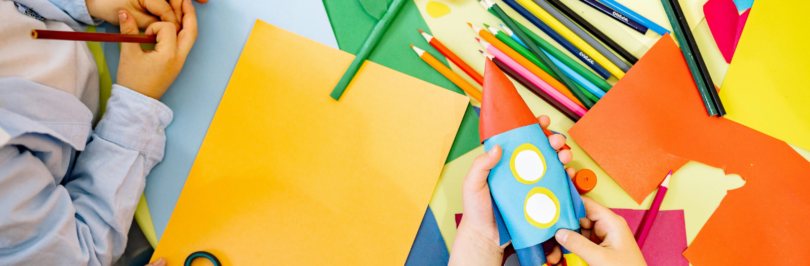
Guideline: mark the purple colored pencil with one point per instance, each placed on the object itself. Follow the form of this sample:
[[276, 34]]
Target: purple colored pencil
[[616, 15], [649, 217]]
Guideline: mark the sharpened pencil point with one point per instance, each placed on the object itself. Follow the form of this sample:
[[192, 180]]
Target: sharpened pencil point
[[666, 180], [411, 45], [420, 31], [469, 24], [485, 25], [417, 50]]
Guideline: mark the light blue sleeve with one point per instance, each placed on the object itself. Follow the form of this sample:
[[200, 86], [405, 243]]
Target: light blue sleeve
[[76, 9], [86, 220]]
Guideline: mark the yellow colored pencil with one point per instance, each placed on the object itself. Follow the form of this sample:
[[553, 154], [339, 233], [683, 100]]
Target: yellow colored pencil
[[572, 37], [449, 74]]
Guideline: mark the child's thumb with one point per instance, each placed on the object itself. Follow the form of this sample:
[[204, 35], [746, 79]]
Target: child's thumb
[[578, 244], [128, 26]]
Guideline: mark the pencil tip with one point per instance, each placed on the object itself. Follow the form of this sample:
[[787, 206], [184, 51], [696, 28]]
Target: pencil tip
[[411, 45], [485, 25], [670, 172], [420, 31], [469, 24], [666, 180]]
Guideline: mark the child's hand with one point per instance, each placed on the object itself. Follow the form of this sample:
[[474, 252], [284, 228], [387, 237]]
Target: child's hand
[[152, 72], [476, 241], [618, 245]]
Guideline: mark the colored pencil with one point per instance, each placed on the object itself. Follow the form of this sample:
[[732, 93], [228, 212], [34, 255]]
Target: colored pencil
[[616, 16], [490, 40], [649, 217], [365, 50], [543, 58], [593, 78], [704, 71], [594, 31], [537, 91], [692, 56], [635, 16], [557, 38], [520, 69], [91, 36], [448, 73], [453, 57], [582, 83], [573, 27], [570, 36]]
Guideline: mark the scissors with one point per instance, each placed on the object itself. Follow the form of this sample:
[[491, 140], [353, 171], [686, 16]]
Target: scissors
[[202, 254]]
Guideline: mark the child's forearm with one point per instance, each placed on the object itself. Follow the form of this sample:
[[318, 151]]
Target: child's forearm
[[471, 248]]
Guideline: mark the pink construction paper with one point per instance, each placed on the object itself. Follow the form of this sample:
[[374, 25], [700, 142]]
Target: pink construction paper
[[740, 26], [723, 19], [666, 239]]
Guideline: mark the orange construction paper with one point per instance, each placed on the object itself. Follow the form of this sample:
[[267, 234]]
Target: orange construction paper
[[288, 176], [653, 120]]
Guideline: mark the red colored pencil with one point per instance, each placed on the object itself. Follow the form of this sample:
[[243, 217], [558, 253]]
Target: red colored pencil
[[91, 36], [453, 58], [649, 217]]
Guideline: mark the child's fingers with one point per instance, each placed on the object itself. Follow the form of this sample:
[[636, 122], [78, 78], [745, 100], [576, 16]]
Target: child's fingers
[[177, 7], [557, 141], [158, 262], [128, 26], [161, 9], [571, 171], [477, 177], [584, 248], [544, 121], [565, 156], [188, 34], [554, 256], [166, 37]]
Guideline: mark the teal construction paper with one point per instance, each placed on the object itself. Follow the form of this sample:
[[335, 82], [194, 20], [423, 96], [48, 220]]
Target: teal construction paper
[[743, 5], [510, 194], [224, 27]]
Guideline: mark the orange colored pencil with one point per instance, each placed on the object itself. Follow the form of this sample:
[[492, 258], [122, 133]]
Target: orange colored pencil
[[491, 39], [449, 74], [453, 58]]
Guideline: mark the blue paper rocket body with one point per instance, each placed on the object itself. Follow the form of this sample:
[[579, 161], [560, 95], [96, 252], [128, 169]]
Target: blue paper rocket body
[[533, 195]]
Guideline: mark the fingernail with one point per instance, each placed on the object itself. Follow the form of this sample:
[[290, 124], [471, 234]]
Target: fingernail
[[491, 152], [122, 16], [161, 260], [561, 236]]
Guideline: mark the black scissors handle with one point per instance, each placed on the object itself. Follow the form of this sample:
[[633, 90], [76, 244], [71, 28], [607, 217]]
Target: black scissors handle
[[202, 254]]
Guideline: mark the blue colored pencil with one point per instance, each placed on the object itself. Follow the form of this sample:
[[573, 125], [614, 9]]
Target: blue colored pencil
[[616, 15], [601, 71], [635, 16]]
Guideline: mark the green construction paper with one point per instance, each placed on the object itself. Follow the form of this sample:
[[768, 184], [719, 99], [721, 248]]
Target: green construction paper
[[352, 25], [375, 8]]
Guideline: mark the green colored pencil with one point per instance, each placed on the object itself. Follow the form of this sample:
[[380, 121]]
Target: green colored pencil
[[587, 74], [528, 55], [690, 59], [535, 49], [365, 50]]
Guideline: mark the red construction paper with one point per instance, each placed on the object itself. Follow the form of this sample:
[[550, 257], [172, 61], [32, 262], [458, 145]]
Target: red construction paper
[[502, 108], [666, 239], [740, 26], [726, 25], [653, 119]]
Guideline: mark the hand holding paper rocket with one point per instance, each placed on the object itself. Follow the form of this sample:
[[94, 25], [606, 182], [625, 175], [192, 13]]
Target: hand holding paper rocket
[[531, 190]]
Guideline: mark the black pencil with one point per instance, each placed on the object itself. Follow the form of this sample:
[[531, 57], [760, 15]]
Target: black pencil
[[593, 30], [690, 39]]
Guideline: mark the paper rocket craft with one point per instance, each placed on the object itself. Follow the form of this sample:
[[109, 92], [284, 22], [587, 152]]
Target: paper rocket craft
[[533, 195]]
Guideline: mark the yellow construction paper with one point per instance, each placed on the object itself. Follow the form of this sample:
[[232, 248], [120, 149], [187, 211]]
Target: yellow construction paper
[[767, 83], [288, 176], [436, 9]]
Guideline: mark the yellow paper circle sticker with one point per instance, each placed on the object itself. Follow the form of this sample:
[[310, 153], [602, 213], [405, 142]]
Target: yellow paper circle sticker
[[528, 164], [542, 209]]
